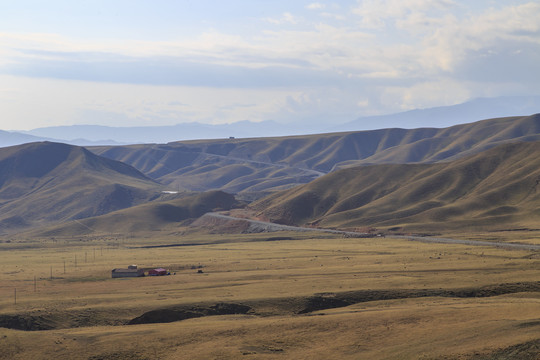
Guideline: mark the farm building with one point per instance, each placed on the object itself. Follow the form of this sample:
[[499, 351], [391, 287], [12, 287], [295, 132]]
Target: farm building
[[131, 271], [158, 272]]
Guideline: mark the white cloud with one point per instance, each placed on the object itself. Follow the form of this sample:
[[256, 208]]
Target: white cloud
[[315, 106], [286, 18], [431, 44], [493, 32], [48, 102], [386, 56], [377, 13], [315, 6], [333, 16], [427, 94], [363, 103]]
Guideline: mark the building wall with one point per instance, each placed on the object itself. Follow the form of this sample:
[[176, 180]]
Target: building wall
[[119, 273]]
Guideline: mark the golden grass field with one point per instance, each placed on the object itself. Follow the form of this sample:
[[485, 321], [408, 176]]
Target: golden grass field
[[87, 311]]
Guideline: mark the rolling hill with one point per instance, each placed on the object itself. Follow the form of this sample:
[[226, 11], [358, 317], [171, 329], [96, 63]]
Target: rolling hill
[[495, 189], [49, 183], [42, 183], [262, 165], [164, 215]]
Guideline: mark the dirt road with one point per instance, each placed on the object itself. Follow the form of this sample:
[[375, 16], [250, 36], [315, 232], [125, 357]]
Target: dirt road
[[258, 226]]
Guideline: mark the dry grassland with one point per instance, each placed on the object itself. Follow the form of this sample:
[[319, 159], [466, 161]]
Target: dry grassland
[[523, 236], [87, 311]]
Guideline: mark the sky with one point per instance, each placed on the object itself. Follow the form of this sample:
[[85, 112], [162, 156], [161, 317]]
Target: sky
[[165, 62]]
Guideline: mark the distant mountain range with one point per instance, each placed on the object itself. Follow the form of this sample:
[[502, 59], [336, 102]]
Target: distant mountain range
[[438, 117], [8, 138], [109, 135], [444, 116], [16, 138]]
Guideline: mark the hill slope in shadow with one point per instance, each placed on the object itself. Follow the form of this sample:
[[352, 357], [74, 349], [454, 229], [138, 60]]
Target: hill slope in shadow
[[165, 215], [49, 182], [260, 165], [495, 189]]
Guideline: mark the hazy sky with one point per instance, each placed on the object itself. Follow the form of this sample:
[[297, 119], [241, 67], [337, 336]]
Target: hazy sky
[[162, 62]]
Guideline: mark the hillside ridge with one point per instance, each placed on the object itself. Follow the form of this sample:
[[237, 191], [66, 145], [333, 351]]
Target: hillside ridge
[[263, 165], [495, 188], [49, 182]]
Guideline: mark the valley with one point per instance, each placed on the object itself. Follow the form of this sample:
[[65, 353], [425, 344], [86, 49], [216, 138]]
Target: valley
[[270, 180], [384, 244]]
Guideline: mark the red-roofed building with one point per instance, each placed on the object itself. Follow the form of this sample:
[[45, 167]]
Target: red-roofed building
[[157, 272]]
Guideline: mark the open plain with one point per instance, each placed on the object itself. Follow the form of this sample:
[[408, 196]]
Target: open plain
[[279, 295]]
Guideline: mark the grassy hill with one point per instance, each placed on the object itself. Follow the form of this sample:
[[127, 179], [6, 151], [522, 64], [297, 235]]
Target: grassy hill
[[41, 183], [261, 165], [45, 183], [495, 189], [164, 215]]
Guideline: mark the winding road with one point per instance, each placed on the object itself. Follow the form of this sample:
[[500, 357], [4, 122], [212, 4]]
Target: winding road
[[258, 225]]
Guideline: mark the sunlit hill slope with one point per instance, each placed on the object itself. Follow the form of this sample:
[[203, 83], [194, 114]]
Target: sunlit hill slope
[[496, 189], [426, 177], [261, 165]]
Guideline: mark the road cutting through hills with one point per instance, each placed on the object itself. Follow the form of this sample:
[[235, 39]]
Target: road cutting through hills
[[258, 226]]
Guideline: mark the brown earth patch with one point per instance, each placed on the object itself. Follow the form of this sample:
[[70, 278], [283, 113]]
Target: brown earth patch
[[121, 355], [188, 312], [263, 307], [526, 351], [335, 300]]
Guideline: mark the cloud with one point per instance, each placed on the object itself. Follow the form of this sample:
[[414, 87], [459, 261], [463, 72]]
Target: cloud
[[176, 103], [444, 91], [509, 36], [286, 18], [315, 6], [333, 16], [378, 13], [169, 71], [48, 102], [275, 58], [380, 56], [510, 62]]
